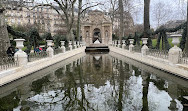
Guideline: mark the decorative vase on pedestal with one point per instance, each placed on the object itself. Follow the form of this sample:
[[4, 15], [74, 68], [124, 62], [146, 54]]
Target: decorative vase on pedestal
[[175, 53], [63, 46], [131, 46], [50, 50], [144, 47], [20, 56]]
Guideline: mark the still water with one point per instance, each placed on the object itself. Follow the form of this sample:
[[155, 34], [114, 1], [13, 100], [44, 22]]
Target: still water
[[95, 82]]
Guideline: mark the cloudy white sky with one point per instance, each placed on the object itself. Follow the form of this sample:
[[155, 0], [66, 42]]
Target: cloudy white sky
[[176, 10]]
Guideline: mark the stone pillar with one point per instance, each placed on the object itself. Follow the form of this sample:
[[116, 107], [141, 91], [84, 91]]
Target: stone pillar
[[123, 46], [50, 50], [90, 41], [78, 44], [175, 53], [131, 46], [114, 43], [63, 46], [20, 56], [119, 45], [145, 48], [75, 45], [70, 45]]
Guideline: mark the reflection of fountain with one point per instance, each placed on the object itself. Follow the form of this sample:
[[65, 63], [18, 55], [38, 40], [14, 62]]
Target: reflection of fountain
[[97, 57], [97, 62]]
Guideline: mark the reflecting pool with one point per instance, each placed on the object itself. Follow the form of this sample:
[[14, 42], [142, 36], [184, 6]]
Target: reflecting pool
[[95, 82]]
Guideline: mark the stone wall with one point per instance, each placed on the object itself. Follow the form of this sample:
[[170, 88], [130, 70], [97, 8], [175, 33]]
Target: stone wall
[[162, 64], [31, 67]]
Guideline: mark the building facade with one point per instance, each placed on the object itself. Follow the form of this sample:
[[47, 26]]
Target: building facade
[[45, 18]]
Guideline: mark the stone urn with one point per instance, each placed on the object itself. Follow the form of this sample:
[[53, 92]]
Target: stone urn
[[70, 45], [176, 39], [50, 50], [144, 41], [49, 43], [123, 44], [20, 55], [62, 43], [19, 43], [144, 47], [131, 46], [175, 53], [131, 41]]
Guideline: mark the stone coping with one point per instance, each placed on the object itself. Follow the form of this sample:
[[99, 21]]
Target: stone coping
[[162, 64], [19, 72]]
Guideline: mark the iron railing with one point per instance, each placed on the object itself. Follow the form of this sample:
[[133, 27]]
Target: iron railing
[[57, 51], [126, 47], [37, 55], [137, 49], [8, 62], [183, 58], [158, 53]]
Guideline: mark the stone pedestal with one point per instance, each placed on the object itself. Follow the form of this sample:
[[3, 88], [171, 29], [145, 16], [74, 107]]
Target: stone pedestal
[[123, 46], [20, 56], [119, 44], [131, 46], [70, 45], [63, 46], [145, 48], [175, 52], [50, 50], [115, 43], [78, 44]]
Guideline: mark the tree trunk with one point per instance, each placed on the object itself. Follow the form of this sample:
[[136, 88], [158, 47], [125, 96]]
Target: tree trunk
[[147, 21], [186, 44], [121, 20], [145, 84], [4, 39], [78, 21]]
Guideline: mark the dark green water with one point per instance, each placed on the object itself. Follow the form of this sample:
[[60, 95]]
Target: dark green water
[[105, 82]]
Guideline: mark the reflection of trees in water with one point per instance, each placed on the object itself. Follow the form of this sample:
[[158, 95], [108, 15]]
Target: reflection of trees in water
[[9, 102], [37, 85], [74, 89]]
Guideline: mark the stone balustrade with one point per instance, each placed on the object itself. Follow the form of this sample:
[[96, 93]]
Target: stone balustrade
[[22, 58], [174, 54]]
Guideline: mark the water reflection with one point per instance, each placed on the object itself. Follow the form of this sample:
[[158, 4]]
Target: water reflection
[[97, 82]]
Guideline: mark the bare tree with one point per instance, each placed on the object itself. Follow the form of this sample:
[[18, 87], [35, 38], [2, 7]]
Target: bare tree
[[113, 11], [186, 44], [121, 15], [161, 13], [66, 9]]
